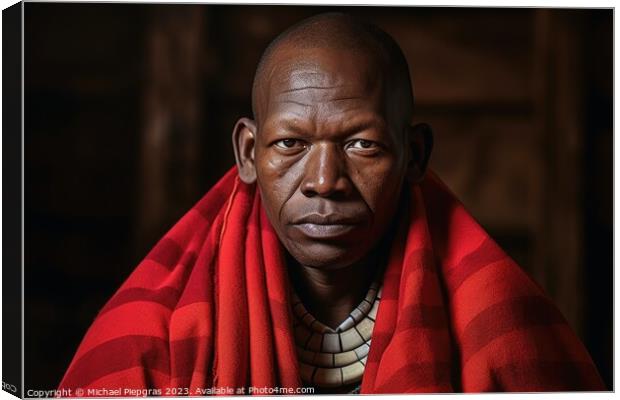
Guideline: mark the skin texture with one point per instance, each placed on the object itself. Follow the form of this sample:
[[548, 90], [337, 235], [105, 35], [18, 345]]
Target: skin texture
[[330, 151]]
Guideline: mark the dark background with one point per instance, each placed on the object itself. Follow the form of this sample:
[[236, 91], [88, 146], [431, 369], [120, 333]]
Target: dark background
[[129, 110]]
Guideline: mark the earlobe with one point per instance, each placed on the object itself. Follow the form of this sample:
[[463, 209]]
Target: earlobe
[[244, 141], [420, 138]]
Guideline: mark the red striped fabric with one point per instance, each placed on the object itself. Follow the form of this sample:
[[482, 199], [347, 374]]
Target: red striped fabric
[[209, 308]]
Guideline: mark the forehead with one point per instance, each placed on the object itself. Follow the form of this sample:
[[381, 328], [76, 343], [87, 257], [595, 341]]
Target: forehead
[[324, 67], [312, 76]]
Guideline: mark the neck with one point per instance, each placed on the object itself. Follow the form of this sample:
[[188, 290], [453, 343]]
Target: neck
[[330, 295]]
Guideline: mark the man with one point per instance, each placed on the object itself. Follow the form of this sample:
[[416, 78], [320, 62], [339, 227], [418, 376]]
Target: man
[[328, 258]]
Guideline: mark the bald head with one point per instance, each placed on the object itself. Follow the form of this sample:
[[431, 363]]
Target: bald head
[[338, 33]]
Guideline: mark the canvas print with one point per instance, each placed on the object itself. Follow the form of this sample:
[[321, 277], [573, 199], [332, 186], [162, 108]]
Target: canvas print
[[306, 200]]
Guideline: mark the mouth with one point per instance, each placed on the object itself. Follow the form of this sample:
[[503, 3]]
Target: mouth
[[316, 231], [330, 226]]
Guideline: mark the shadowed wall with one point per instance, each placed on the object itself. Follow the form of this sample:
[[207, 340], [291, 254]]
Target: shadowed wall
[[129, 110]]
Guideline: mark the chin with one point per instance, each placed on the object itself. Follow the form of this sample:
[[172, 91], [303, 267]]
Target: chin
[[327, 256]]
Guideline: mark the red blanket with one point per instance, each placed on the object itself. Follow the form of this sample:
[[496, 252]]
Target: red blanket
[[207, 311]]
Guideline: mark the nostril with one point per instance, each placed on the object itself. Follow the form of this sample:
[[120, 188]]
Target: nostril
[[309, 193]]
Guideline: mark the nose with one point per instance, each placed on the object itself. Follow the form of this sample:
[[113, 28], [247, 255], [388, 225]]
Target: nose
[[325, 173]]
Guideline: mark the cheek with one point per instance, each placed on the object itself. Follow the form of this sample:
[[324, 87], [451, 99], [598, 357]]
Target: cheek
[[276, 178], [379, 183], [273, 166]]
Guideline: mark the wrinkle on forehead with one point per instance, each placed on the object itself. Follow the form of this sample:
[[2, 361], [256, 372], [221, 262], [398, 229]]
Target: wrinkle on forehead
[[305, 77], [350, 73], [299, 81]]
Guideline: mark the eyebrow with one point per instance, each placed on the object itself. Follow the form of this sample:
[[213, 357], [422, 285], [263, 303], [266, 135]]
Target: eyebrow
[[362, 126], [288, 125]]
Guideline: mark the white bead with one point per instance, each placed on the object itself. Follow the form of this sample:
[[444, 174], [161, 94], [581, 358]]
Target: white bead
[[331, 343]]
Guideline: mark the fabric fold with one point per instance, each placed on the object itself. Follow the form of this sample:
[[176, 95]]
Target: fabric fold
[[456, 313]]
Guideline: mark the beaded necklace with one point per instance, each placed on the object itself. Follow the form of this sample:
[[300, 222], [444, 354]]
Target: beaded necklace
[[331, 358]]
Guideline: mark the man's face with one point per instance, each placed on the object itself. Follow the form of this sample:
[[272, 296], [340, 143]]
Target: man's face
[[329, 162]]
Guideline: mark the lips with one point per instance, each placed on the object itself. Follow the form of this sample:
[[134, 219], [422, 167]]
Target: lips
[[329, 226]]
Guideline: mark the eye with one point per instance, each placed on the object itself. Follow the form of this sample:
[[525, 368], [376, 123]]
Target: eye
[[289, 144], [362, 144]]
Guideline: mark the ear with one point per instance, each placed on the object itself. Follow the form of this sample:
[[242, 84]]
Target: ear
[[244, 141], [420, 142]]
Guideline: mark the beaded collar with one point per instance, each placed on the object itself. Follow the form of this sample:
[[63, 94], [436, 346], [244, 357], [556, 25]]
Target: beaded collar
[[331, 358]]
